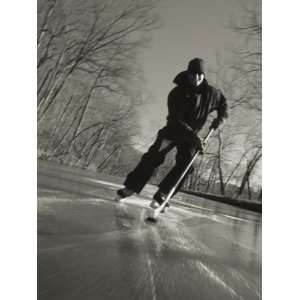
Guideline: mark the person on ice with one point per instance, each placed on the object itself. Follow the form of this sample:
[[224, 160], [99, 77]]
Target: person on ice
[[189, 104]]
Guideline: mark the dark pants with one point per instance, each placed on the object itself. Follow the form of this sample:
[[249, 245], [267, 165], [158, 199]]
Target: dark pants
[[155, 156]]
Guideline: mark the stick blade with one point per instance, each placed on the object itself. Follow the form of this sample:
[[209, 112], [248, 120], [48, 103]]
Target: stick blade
[[152, 214]]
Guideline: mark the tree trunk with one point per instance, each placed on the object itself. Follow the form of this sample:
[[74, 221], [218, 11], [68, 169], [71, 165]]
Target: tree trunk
[[219, 164], [249, 169]]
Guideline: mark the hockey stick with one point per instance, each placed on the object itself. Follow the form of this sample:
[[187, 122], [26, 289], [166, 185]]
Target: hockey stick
[[152, 214]]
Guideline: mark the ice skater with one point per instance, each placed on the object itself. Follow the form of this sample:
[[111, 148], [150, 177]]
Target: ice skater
[[189, 104]]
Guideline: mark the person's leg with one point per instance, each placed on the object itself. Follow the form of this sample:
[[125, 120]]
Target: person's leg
[[154, 157], [185, 153]]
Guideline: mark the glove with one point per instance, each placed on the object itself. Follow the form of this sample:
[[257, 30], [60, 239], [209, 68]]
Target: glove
[[216, 123], [197, 142]]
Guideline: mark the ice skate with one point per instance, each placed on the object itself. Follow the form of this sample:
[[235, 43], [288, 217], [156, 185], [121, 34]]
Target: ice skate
[[123, 193], [158, 199]]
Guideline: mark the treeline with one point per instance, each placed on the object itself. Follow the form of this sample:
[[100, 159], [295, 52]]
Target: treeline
[[232, 165], [88, 77], [233, 162]]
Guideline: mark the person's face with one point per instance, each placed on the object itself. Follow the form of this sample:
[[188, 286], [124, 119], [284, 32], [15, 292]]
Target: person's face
[[195, 79]]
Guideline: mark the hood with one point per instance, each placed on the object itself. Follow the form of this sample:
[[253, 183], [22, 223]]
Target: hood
[[181, 79]]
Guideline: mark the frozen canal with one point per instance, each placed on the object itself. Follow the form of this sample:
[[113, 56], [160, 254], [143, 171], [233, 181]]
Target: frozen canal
[[90, 247]]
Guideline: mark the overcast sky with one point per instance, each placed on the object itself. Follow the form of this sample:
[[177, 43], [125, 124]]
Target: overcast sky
[[191, 28]]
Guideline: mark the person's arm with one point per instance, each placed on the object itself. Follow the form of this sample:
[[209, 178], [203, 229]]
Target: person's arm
[[222, 110], [176, 114], [176, 119]]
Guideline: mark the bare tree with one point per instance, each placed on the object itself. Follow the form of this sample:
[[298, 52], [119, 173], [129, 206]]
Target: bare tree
[[249, 169], [247, 59], [86, 74], [239, 77], [99, 41]]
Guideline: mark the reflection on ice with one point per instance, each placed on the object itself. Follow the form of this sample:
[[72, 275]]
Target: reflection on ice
[[91, 247]]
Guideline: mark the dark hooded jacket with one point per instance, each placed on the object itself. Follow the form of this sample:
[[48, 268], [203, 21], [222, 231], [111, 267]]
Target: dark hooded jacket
[[190, 106]]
